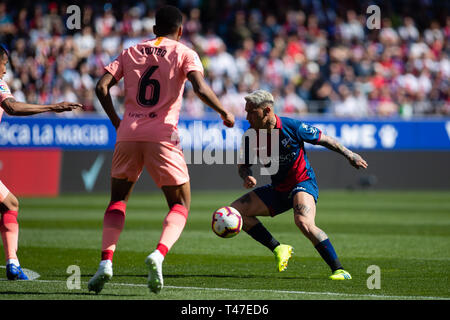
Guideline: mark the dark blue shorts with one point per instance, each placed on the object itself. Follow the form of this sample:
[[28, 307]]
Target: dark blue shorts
[[279, 202]]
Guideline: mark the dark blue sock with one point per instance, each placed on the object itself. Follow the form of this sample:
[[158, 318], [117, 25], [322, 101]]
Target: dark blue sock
[[326, 251], [263, 236]]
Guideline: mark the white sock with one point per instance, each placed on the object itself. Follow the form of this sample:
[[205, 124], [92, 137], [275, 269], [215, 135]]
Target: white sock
[[158, 255], [13, 261], [105, 262]]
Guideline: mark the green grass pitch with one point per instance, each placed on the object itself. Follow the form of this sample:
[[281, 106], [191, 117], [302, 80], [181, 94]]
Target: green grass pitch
[[405, 234]]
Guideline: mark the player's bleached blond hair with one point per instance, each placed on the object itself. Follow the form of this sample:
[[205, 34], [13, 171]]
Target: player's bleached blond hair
[[260, 98]]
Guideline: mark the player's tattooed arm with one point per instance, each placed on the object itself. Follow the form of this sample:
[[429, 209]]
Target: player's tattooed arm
[[244, 171], [246, 174], [301, 209], [331, 143], [16, 108], [334, 145]]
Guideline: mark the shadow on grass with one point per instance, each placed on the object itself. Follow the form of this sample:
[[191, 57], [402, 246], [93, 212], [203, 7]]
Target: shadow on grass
[[27, 293], [224, 276]]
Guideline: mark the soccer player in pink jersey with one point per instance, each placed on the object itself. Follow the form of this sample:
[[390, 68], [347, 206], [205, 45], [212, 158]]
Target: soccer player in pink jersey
[[9, 205], [154, 73]]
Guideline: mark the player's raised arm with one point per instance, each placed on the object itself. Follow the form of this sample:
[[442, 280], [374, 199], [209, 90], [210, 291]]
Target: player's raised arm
[[102, 91], [205, 93], [331, 143], [16, 108]]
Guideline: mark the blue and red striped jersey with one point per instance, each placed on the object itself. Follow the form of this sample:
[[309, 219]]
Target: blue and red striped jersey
[[294, 166]]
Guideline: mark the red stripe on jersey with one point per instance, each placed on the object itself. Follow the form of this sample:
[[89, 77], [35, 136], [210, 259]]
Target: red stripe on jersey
[[297, 173]]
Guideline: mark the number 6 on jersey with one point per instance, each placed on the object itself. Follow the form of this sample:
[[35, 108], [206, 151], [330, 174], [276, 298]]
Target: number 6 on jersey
[[148, 94]]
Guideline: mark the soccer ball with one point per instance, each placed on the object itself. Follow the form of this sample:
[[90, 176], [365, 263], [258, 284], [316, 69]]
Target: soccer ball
[[226, 222]]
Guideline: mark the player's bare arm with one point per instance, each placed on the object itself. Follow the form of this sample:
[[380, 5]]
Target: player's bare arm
[[247, 175], [331, 143], [102, 91], [16, 108], [205, 93]]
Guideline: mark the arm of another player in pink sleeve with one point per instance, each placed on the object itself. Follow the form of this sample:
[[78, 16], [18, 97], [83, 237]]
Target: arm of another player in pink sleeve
[[102, 91]]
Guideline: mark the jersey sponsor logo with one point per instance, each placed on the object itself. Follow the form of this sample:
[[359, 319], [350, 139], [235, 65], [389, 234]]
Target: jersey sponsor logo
[[4, 88], [285, 142], [138, 115], [287, 158]]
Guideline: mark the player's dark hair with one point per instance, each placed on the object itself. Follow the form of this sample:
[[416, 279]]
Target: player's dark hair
[[167, 20], [3, 50]]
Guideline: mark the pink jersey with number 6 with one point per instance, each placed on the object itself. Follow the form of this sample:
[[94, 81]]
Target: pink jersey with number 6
[[154, 73]]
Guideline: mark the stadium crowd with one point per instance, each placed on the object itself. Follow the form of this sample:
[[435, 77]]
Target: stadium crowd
[[314, 58]]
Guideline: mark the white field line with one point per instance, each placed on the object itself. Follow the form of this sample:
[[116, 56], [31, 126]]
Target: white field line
[[335, 294]]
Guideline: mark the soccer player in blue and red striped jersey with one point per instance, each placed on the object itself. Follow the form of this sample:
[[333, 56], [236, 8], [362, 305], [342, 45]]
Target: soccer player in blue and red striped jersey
[[293, 186]]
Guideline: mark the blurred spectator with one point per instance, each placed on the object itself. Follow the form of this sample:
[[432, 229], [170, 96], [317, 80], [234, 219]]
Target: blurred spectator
[[222, 63], [84, 42], [52, 21], [352, 29], [408, 30], [315, 58], [234, 100], [105, 24], [6, 21], [239, 31], [192, 106], [292, 103], [350, 104]]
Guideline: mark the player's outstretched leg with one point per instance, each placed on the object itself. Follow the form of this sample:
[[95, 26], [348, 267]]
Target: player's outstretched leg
[[304, 216], [9, 229], [250, 206]]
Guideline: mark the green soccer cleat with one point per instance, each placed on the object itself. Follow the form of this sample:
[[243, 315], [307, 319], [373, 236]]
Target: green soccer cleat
[[282, 254], [340, 274]]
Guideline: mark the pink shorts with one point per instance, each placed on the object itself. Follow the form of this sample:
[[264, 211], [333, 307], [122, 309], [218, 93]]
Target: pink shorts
[[3, 191], [164, 162]]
